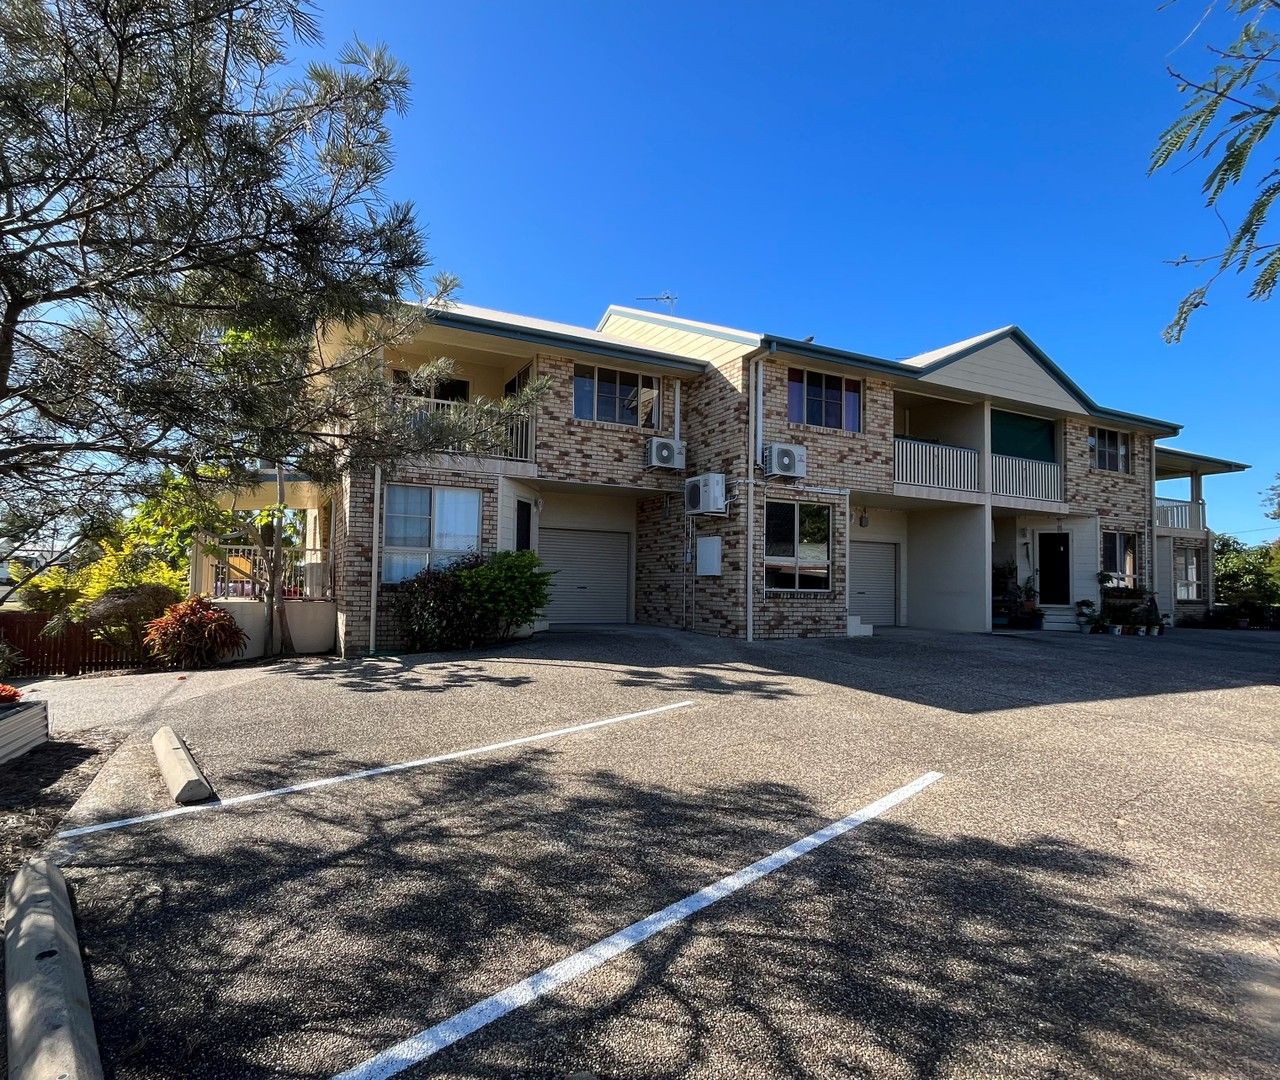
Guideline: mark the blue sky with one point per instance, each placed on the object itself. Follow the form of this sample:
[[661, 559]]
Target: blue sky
[[888, 178]]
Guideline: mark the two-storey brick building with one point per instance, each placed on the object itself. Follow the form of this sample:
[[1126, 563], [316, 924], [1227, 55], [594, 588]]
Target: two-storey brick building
[[842, 491]]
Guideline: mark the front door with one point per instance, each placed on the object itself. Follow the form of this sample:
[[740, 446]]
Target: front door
[[1054, 567]]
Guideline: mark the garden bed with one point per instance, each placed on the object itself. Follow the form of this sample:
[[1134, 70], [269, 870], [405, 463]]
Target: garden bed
[[23, 727]]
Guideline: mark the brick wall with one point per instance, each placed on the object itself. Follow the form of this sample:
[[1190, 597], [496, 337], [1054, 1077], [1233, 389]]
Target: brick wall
[[590, 452], [353, 547], [862, 461], [1124, 502]]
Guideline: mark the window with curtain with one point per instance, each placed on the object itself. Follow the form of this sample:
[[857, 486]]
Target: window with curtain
[[822, 400], [616, 397], [1186, 573], [1109, 449], [797, 546], [1119, 557], [424, 526]]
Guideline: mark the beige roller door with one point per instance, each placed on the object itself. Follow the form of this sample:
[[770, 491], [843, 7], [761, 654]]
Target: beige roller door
[[593, 574], [873, 582]]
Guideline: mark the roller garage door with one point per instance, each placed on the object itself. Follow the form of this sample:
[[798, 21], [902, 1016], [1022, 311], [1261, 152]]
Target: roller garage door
[[873, 582], [593, 575]]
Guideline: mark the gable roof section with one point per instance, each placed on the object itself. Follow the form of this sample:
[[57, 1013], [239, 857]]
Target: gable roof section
[[697, 340], [544, 332], [1055, 388], [932, 367]]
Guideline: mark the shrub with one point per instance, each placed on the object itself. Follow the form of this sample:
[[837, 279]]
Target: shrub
[[473, 601], [120, 616], [195, 633], [10, 658], [9, 694]]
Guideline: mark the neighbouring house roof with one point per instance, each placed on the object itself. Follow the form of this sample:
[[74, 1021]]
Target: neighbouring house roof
[[505, 324], [1172, 464]]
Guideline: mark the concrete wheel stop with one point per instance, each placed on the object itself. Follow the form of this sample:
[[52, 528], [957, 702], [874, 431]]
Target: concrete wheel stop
[[186, 783], [51, 1034]]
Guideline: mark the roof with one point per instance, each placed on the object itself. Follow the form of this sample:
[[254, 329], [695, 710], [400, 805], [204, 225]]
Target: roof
[[727, 333], [1183, 462], [925, 364], [468, 317]]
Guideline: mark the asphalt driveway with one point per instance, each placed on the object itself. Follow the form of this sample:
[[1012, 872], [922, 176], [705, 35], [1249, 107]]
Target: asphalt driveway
[[1092, 888]]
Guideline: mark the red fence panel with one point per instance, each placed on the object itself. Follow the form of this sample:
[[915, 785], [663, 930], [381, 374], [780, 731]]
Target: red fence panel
[[69, 653]]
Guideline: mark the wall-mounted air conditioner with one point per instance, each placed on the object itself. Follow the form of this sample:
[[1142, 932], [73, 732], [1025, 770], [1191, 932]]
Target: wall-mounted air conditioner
[[705, 494], [660, 453], [785, 459]]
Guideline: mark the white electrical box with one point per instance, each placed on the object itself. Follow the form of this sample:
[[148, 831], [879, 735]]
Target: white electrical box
[[708, 556]]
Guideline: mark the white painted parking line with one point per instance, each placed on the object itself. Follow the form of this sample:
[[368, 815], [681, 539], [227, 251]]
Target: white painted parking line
[[417, 1048], [364, 774]]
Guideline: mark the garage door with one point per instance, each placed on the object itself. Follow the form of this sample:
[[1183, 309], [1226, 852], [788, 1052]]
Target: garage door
[[873, 582], [593, 575]]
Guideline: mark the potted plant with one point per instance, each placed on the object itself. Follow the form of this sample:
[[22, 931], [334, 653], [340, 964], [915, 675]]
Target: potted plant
[[1030, 594], [1085, 615], [1035, 618], [23, 724]]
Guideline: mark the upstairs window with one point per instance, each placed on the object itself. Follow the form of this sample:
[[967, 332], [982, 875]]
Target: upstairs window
[[444, 390], [822, 400], [616, 397], [797, 546], [1109, 450], [426, 526], [1119, 557]]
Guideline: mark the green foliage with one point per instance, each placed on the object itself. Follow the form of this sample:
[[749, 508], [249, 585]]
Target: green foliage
[[1246, 577], [10, 658], [114, 596], [195, 633], [120, 615], [1228, 114], [474, 601]]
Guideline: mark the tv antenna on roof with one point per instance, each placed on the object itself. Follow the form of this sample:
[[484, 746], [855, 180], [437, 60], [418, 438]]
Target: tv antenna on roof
[[665, 297]]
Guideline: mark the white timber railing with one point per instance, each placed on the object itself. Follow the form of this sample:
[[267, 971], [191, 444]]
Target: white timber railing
[[937, 465], [240, 571], [1026, 479], [1179, 514], [519, 435]]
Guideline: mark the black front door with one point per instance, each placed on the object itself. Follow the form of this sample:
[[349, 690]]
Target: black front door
[[1055, 568]]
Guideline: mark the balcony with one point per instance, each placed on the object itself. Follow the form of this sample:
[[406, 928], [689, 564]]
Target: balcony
[[518, 445], [1181, 515], [239, 572], [1023, 478], [929, 464]]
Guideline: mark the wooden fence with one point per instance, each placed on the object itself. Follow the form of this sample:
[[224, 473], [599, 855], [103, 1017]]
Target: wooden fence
[[70, 653]]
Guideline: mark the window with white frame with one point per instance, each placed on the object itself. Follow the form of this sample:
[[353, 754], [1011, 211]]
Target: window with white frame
[[823, 400], [617, 397], [1186, 573], [1120, 557], [1109, 450], [797, 546], [425, 526]]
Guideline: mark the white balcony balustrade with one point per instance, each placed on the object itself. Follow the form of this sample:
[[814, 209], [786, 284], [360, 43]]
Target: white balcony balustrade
[[1180, 514], [519, 435], [927, 464], [1024, 478]]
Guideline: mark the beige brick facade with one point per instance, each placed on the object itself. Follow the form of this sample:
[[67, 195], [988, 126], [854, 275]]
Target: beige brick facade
[[715, 408], [1123, 501]]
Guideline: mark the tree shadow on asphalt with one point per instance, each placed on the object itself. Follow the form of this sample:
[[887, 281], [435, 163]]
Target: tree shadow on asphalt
[[386, 674], [257, 942]]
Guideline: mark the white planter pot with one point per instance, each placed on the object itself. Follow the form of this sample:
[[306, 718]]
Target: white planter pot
[[23, 728]]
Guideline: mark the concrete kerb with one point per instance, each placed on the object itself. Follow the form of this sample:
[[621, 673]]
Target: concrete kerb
[[182, 775], [51, 1034]]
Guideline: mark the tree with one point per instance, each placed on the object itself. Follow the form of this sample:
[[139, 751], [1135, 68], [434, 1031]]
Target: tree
[[198, 268], [1230, 110], [181, 222], [1244, 576]]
